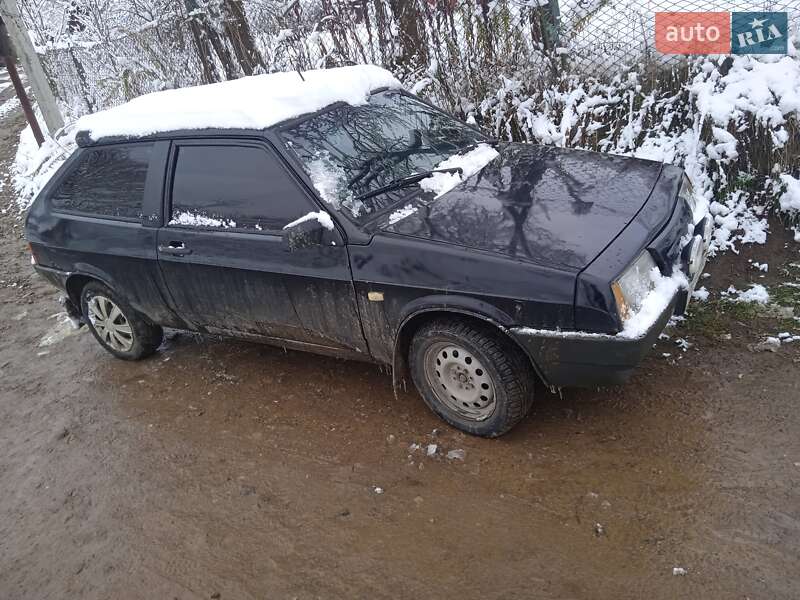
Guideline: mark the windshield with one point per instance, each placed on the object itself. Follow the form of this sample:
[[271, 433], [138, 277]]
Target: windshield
[[351, 150]]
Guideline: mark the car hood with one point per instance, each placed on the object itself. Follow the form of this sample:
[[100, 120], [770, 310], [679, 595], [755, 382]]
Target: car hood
[[551, 205]]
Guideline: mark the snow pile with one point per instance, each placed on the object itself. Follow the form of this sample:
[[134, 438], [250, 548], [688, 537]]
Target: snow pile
[[757, 293], [34, 166], [470, 162], [768, 87], [321, 217], [654, 303], [738, 221], [255, 102], [199, 220], [790, 199]]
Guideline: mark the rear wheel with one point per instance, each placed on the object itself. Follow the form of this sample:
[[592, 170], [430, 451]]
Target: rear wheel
[[471, 376], [121, 330]]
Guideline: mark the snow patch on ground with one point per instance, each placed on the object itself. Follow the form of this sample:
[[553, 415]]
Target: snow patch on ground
[[62, 329], [757, 293], [255, 102], [471, 162], [321, 217]]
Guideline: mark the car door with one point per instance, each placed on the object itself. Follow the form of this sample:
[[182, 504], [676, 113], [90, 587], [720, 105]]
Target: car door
[[223, 255]]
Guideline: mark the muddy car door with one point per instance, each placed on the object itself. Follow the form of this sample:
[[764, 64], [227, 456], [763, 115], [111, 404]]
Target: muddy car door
[[224, 254]]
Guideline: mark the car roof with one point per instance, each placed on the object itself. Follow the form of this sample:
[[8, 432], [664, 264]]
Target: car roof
[[243, 105]]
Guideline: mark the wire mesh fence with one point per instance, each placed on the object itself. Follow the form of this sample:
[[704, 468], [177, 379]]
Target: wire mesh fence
[[459, 52]]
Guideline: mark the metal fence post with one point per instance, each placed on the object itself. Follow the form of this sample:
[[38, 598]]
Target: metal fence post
[[552, 24]]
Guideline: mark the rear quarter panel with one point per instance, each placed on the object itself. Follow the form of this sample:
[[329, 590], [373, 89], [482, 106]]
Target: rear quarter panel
[[121, 254]]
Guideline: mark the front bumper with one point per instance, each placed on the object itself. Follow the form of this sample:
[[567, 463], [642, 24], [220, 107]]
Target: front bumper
[[578, 359]]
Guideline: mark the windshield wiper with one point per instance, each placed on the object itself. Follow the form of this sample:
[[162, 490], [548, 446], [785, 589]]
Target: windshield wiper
[[406, 181]]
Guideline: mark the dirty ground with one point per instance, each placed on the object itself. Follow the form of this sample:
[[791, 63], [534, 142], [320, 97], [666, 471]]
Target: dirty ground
[[223, 469]]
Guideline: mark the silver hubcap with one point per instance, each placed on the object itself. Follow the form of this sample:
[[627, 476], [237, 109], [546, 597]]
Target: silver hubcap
[[110, 324], [460, 381]]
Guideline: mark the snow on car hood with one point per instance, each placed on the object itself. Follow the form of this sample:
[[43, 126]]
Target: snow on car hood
[[255, 102], [551, 205]]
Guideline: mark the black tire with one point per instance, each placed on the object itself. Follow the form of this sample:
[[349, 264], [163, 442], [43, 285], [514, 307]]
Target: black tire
[[504, 369], [144, 337]]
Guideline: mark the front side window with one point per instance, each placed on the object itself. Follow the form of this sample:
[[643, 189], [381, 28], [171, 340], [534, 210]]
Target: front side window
[[108, 182], [233, 187], [348, 151]]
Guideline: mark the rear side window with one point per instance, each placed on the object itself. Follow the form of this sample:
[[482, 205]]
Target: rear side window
[[108, 182], [241, 187]]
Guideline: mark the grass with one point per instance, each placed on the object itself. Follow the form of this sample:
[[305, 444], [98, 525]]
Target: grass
[[786, 295], [715, 317]]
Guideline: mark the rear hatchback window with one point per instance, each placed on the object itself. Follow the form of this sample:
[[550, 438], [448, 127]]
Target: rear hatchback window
[[108, 182]]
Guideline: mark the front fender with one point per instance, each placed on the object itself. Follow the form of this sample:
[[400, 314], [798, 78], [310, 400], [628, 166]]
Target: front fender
[[423, 310]]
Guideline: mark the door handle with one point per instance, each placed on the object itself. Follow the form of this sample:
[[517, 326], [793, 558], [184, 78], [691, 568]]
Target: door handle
[[175, 248]]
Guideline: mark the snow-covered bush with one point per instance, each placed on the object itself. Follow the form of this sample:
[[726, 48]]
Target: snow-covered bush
[[732, 122]]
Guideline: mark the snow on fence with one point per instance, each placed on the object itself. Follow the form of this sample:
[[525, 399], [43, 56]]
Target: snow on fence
[[457, 51]]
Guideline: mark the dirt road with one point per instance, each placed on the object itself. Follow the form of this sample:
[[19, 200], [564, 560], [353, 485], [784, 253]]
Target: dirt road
[[221, 469]]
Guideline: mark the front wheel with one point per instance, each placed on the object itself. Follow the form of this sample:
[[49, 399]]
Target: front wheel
[[471, 376], [121, 330]]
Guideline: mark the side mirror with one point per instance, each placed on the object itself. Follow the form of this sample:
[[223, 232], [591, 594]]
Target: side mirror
[[309, 233]]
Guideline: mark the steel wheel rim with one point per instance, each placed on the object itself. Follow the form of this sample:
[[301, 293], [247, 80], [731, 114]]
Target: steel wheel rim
[[460, 381], [110, 323]]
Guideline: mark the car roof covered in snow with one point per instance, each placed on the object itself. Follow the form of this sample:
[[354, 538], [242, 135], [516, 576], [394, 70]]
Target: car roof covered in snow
[[249, 103]]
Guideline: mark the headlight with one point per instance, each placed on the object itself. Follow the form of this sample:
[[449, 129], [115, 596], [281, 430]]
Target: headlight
[[634, 284]]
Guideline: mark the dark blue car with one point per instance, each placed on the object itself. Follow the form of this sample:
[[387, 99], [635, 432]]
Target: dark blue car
[[367, 232]]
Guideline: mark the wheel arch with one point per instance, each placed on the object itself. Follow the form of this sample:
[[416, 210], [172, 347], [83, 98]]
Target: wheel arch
[[76, 282], [422, 316]]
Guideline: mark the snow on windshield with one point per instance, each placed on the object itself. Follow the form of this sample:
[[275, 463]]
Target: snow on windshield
[[471, 162], [330, 180]]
